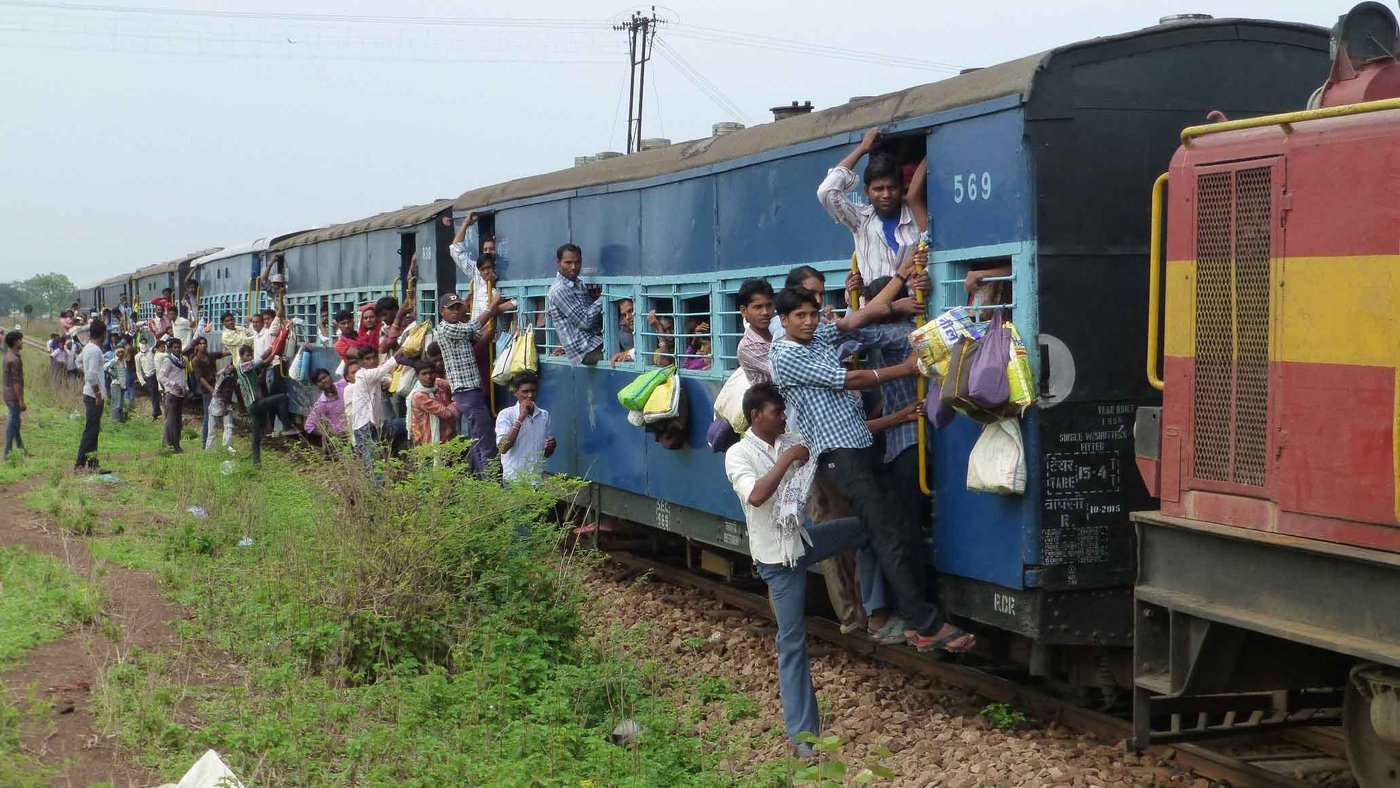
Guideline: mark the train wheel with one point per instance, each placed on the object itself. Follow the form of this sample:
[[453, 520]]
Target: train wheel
[[1372, 726]]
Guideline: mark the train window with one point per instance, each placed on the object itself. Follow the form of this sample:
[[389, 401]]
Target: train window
[[427, 304], [676, 328], [620, 308], [996, 277]]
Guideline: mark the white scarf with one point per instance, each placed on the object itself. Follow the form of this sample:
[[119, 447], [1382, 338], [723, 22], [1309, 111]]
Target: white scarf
[[434, 423], [790, 506]]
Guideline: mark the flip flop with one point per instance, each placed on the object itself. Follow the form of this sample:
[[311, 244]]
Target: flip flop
[[945, 642]]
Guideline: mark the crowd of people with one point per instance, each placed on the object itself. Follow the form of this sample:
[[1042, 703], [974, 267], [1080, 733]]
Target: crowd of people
[[826, 465]]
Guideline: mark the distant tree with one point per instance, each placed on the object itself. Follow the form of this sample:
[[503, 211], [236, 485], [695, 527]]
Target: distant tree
[[12, 297], [51, 292]]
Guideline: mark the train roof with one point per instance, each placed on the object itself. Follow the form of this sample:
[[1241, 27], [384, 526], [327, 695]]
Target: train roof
[[1013, 78], [411, 216], [171, 265], [251, 247]]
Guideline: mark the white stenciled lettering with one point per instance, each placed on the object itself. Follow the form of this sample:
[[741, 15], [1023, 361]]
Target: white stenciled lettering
[[1004, 604]]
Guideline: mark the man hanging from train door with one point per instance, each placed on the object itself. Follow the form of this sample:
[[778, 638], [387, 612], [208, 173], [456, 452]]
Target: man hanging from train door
[[884, 231], [808, 370], [455, 337]]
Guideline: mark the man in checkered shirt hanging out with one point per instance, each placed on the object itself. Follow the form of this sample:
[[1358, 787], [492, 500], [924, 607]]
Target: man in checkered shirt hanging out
[[807, 367], [575, 309]]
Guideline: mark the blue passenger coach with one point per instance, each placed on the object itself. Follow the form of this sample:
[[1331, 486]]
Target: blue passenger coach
[[347, 265], [1042, 163], [228, 282]]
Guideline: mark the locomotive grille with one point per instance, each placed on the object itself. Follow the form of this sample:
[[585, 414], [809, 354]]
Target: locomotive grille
[[1213, 329], [1234, 244]]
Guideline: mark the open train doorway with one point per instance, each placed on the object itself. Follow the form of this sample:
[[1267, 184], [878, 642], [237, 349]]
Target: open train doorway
[[408, 246]]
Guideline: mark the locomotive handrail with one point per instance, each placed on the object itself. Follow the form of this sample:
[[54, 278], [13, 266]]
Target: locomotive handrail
[[1287, 119], [1154, 285]]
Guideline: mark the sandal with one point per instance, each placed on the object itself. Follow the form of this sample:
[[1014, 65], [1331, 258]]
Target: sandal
[[946, 643], [892, 633]]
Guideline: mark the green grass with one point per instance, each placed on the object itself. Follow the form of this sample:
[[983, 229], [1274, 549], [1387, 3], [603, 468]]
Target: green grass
[[403, 638], [39, 599]]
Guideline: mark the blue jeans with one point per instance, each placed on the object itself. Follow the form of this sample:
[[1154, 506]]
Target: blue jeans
[[872, 581], [787, 588], [475, 422], [117, 395], [12, 437]]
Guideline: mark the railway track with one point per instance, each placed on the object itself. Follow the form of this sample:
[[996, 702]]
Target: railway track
[[1293, 759]]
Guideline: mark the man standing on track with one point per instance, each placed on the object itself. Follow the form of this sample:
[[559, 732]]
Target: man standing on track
[[14, 392], [90, 362], [456, 338]]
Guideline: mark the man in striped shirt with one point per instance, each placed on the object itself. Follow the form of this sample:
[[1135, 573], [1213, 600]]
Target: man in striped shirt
[[808, 369], [884, 231]]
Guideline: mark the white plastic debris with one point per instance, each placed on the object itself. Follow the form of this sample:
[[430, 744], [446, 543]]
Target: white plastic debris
[[246, 541], [209, 771], [227, 468], [627, 733], [197, 511]]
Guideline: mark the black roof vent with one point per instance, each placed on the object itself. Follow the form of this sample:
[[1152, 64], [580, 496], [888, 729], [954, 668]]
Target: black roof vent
[[791, 111]]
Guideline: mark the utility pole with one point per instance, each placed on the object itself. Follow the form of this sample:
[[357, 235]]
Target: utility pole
[[641, 30]]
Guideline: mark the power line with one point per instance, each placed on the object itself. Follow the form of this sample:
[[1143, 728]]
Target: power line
[[698, 79], [774, 43], [641, 33]]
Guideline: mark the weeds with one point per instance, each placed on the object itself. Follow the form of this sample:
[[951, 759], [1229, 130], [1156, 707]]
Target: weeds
[[39, 597], [1003, 717]]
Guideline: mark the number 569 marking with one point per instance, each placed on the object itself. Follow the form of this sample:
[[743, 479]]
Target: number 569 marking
[[972, 186]]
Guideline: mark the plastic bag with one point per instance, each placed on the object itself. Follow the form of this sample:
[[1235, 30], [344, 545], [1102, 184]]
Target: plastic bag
[[934, 339], [664, 402], [1018, 373], [300, 363], [729, 403], [500, 370], [403, 380], [987, 384], [634, 395], [524, 354], [998, 460], [415, 339]]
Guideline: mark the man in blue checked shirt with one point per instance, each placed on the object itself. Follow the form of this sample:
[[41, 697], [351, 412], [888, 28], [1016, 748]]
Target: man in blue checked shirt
[[807, 367], [576, 309]]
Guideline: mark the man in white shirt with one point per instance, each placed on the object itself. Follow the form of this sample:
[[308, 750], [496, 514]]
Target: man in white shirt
[[480, 273], [756, 467], [364, 407], [884, 231], [90, 362], [522, 431]]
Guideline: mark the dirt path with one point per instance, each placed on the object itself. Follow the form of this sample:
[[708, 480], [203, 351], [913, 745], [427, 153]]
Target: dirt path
[[65, 671]]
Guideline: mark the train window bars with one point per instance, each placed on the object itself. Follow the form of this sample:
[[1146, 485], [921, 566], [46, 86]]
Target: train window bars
[[427, 304], [678, 309], [996, 291], [613, 297]]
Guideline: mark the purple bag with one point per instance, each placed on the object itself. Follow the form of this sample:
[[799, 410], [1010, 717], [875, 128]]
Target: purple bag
[[938, 412], [987, 384]]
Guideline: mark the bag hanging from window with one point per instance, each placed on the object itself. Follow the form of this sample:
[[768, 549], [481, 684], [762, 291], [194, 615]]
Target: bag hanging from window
[[634, 395], [500, 370], [523, 353], [665, 401], [403, 379], [934, 340], [729, 403], [987, 385], [997, 463], [300, 362]]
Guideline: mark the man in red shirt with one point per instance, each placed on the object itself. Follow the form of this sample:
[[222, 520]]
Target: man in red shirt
[[350, 338]]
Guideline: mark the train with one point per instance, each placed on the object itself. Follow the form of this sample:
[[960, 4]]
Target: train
[[1181, 539]]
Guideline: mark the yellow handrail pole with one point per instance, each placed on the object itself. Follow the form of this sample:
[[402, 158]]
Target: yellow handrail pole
[[1154, 285], [921, 387], [491, 352], [1287, 119]]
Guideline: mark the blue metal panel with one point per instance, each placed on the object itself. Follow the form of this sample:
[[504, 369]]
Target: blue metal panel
[[979, 182], [678, 228], [527, 237], [693, 476], [425, 243], [348, 258], [608, 229], [769, 214], [979, 535], [382, 257]]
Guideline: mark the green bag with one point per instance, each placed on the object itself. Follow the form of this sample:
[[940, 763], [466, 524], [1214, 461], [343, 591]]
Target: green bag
[[634, 395]]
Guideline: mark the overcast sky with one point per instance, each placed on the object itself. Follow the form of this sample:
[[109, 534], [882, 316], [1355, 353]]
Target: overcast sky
[[130, 137]]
